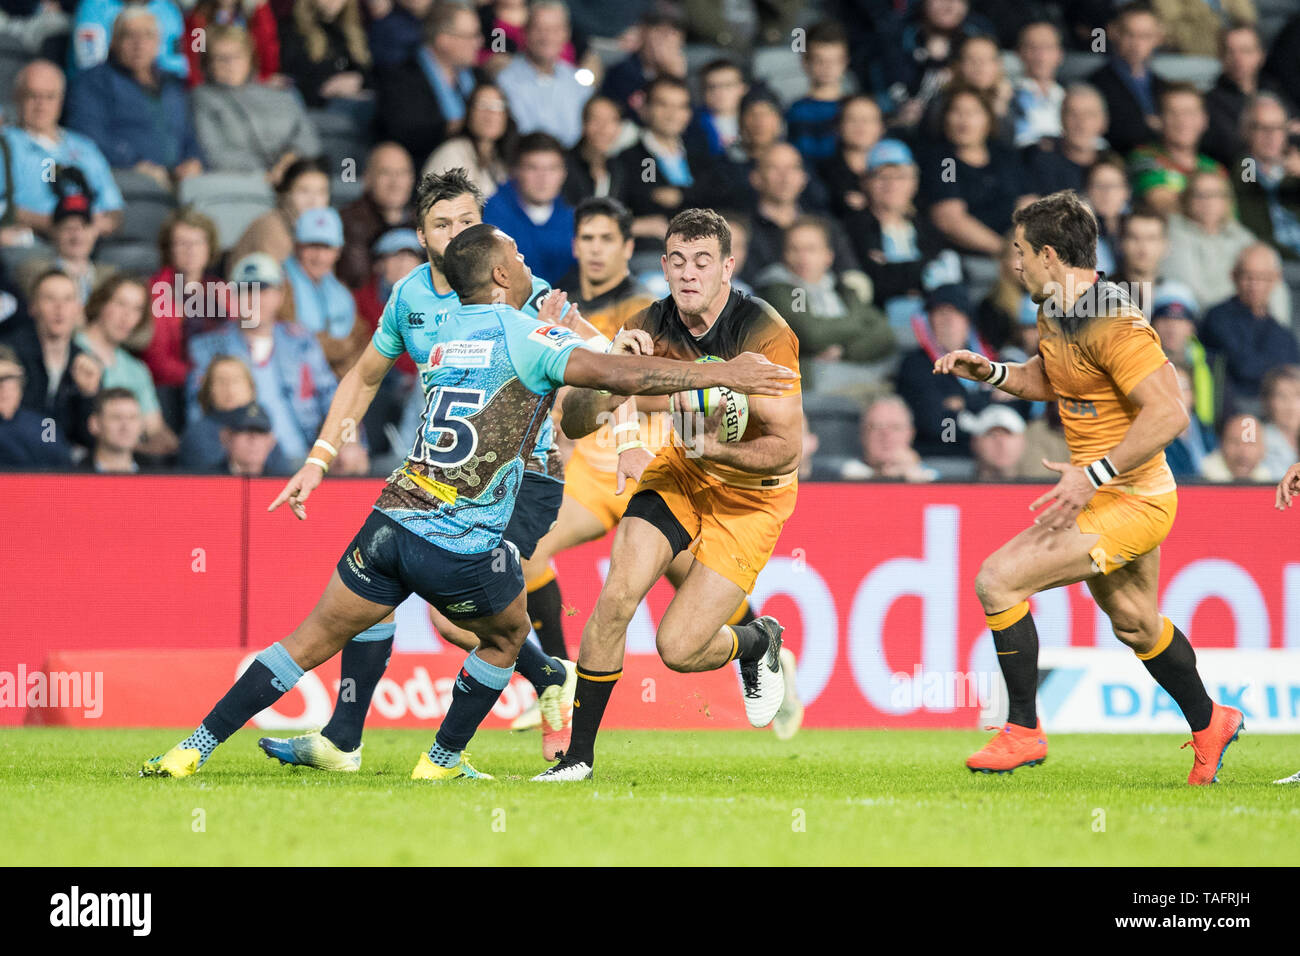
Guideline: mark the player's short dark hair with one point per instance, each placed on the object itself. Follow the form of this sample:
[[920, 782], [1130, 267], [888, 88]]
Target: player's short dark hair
[[112, 395], [827, 33], [595, 206], [1062, 221], [662, 80], [300, 167], [468, 262], [700, 224], [536, 143], [448, 184]]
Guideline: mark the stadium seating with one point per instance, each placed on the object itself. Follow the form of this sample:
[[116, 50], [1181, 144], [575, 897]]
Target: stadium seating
[[232, 200], [834, 420], [134, 246], [346, 147]]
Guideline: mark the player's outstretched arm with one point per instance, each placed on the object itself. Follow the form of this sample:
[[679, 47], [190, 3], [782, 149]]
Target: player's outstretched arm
[[1288, 488], [583, 410], [748, 372], [351, 402], [1025, 380]]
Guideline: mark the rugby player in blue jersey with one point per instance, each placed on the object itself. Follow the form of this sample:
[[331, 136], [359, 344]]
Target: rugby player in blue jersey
[[436, 529]]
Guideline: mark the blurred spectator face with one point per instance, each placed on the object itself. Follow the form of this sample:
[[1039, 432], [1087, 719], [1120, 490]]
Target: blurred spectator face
[[122, 313], [486, 119], [602, 251], [1266, 131], [779, 175], [1144, 244], [892, 188], [1255, 276], [12, 379], [887, 434], [944, 15], [760, 125], [724, 88], [390, 178], [459, 45], [261, 309], [1108, 191], [1083, 119], [1137, 36], [230, 62], [138, 44], [56, 308], [695, 271], [807, 253], [547, 33], [861, 125], [74, 238], [1208, 200], [965, 122], [40, 98], [979, 64], [445, 220], [189, 250], [117, 426], [247, 450], [601, 125], [231, 385], [1282, 406], [540, 176], [739, 244], [1040, 52], [318, 261], [668, 112], [311, 190], [1184, 120], [1175, 332], [1241, 446], [1243, 55], [951, 327], [662, 45], [997, 453], [826, 63], [392, 268]]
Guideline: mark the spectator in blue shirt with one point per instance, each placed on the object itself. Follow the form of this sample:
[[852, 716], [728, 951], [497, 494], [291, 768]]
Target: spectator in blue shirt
[[543, 91], [530, 209], [137, 115], [1132, 91], [322, 304], [96, 20], [23, 435], [38, 145], [811, 120], [395, 37], [293, 380]]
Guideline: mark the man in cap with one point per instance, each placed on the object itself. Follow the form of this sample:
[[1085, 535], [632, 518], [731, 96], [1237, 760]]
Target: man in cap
[[322, 304], [247, 438], [997, 442]]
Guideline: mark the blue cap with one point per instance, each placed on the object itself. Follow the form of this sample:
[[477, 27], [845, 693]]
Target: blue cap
[[257, 268], [319, 227], [951, 294], [890, 152], [250, 418], [1174, 300], [398, 240]]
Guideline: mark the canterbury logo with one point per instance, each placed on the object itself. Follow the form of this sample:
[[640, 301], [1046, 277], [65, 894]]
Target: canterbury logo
[[415, 319], [461, 607]]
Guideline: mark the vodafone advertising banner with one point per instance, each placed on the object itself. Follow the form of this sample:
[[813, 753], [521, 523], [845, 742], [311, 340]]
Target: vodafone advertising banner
[[873, 581]]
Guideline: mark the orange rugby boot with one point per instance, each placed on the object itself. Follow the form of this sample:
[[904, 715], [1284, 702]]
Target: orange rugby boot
[[1210, 744], [1014, 746]]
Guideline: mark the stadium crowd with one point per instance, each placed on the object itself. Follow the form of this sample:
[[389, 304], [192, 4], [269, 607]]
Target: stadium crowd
[[161, 160]]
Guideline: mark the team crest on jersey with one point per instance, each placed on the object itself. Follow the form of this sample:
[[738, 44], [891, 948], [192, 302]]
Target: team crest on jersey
[[554, 336], [461, 355]]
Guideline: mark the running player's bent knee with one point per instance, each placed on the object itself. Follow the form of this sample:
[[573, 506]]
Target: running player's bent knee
[[992, 589], [1138, 635], [677, 655]]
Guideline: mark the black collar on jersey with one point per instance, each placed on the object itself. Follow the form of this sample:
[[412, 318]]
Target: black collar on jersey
[[1103, 297], [724, 336]]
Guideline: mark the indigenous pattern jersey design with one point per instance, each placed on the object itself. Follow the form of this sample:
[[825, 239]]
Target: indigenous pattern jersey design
[[610, 312], [746, 324], [1094, 355], [490, 381], [412, 321]]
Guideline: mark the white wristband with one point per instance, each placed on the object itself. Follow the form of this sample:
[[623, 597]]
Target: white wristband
[[997, 374], [598, 342], [625, 427], [324, 465], [1100, 472], [327, 446]]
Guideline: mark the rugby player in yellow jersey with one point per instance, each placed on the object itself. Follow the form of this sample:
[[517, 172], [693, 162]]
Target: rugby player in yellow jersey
[[601, 474], [725, 501], [1103, 522], [1288, 489]]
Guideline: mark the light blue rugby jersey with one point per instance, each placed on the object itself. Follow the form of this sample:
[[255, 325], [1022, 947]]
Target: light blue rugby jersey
[[412, 322], [491, 379]]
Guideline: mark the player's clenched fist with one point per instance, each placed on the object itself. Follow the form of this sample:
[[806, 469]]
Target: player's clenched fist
[[298, 489], [964, 364], [1288, 488], [755, 374], [632, 342]]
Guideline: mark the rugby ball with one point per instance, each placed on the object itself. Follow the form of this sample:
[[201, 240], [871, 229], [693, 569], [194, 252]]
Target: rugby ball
[[735, 406]]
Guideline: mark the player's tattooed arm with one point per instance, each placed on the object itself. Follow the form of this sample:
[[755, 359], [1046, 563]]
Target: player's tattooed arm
[[1025, 380], [748, 372]]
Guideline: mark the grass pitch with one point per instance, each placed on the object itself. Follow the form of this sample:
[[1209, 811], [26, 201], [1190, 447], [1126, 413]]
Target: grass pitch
[[72, 797]]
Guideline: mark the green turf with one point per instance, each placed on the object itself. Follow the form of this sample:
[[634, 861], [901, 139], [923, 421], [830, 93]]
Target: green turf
[[827, 797]]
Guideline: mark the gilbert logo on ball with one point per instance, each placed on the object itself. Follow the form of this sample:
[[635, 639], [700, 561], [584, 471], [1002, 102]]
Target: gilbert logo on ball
[[686, 406]]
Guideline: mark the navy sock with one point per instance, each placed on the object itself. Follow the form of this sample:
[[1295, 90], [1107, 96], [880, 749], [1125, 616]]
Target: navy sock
[[477, 687], [271, 675], [546, 611], [538, 668], [365, 658]]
